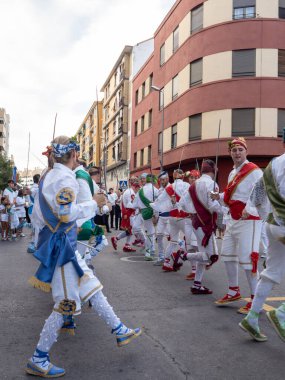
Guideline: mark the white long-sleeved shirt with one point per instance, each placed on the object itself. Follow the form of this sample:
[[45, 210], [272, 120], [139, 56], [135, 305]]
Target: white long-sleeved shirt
[[244, 188], [204, 186], [128, 197], [150, 192], [258, 198], [55, 182]]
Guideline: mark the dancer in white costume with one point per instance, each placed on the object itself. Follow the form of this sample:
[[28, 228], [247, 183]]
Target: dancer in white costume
[[242, 236], [269, 197], [204, 211], [62, 270], [144, 197]]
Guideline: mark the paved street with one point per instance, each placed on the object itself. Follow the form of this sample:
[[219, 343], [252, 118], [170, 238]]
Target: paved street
[[185, 336]]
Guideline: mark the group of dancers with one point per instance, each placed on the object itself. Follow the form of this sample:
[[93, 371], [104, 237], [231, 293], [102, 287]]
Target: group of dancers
[[180, 216]]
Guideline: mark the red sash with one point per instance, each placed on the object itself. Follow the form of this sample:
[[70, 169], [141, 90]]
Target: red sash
[[126, 214], [203, 217], [170, 191], [236, 206], [175, 213]]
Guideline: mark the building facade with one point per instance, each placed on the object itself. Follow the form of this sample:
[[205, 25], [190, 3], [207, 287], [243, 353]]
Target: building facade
[[214, 62], [4, 132], [117, 111], [89, 135]]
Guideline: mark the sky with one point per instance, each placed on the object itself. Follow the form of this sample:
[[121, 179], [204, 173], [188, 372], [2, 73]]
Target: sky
[[54, 53]]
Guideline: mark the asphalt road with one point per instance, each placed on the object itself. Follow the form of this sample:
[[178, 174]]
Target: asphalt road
[[185, 336]]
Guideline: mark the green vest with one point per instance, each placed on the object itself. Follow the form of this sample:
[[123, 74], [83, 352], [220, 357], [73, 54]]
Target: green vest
[[82, 174], [147, 213], [277, 202]]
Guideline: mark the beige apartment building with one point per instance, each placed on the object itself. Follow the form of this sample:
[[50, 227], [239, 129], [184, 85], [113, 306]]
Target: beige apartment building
[[89, 135], [4, 132], [117, 112]]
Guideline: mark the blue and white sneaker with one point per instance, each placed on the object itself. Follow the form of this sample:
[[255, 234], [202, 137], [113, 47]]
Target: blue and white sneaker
[[40, 365], [124, 335]]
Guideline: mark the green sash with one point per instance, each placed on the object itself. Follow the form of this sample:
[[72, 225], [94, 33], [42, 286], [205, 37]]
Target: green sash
[[147, 213], [277, 202], [85, 231], [81, 174]]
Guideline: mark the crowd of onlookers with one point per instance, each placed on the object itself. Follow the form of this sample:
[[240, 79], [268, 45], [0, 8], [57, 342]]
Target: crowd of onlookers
[[15, 209]]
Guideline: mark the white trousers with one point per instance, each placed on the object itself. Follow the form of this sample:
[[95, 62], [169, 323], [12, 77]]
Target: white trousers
[[275, 262], [150, 236], [242, 237], [66, 284]]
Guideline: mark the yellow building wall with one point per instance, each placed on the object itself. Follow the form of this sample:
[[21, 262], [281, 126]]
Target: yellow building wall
[[267, 62], [182, 131], [217, 11], [168, 47], [184, 29], [183, 80], [145, 156], [266, 122], [267, 8], [167, 139], [217, 67], [210, 124], [168, 93]]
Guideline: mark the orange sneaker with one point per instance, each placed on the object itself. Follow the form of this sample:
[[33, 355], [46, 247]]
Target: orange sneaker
[[190, 277], [245, 309], [228, 299]]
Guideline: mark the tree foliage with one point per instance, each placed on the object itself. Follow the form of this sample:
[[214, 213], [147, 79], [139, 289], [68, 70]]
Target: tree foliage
[[6, 170]]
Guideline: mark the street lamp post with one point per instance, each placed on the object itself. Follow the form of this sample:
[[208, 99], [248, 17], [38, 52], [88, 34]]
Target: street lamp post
[[161, 99]]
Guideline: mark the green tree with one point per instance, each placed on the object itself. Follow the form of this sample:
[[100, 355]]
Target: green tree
[[6, 170]]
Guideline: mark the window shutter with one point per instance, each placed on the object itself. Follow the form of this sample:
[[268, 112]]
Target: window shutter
[[243, 3], [243, 122], [197, 19], [282, 3], [195, 127], [281, 63], [196, 69], [281, 122], [244, 63]]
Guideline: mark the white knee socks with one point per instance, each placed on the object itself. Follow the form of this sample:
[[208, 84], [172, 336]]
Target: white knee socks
[[262, 291], [232, 273], [104, 309], [252, 279], [50, 331]]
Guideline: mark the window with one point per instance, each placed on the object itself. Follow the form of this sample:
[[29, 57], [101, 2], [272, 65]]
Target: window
[[150, 81], [159, 143], [197, 19], [243, 63], [135, 160], [137, 97], [161, 99], [143, 90], [281, 122], [107, 134], [113, 152], [243, 122], [149, 154], [281, 8], [162, 54], [114, 127], [196, 72], [243, 9], [1, 121], [136, 128], [141, 158], [174, 87], [195, 127], [281, 63], [175, 39], [149, 118], [142, 124], [174, 136]]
